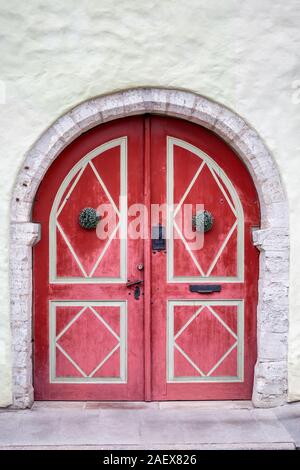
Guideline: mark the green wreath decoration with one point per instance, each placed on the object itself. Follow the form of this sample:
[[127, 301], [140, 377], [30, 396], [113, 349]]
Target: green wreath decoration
[[203, 221], [88, 218]]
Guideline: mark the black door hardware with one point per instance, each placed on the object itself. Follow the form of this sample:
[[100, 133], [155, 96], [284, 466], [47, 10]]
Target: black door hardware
[[158, 238], [205, 288], [137, 292], [134, 283]]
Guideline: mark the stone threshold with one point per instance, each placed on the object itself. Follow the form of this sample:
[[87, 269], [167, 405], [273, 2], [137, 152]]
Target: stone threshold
[[155, 425]]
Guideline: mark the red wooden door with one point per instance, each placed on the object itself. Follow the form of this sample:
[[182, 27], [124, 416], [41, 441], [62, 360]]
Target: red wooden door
[[88, 325], [203, 345], [94, 338]]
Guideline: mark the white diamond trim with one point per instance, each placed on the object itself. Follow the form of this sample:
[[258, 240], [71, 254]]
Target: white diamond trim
[[109, 196], [122, 214], [188, 248], [222, 189], [105, 323], [237, 210], [70, 247], [221, 249], [110, 239], [222, 359], [122, 341], [222, 321], [70, 323], [104, 360], [188, 322], [224, 355], [71, 360], [189, 360], [71, 190], [239, 341], [108, 328], [189, 188]]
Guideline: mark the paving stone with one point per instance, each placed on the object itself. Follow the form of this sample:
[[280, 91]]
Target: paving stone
[[177, 425]]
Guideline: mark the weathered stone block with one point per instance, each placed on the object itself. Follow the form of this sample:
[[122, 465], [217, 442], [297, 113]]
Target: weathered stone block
[[270, 387], [272, 346]]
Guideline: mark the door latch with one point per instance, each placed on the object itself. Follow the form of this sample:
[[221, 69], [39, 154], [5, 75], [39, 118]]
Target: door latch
[[137, 289], [134, 283]]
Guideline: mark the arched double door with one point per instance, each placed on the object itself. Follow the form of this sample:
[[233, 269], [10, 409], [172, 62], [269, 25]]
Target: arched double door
[[151, 294]]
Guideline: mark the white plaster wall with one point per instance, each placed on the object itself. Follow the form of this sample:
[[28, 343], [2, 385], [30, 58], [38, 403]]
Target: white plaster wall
[[245, 55]]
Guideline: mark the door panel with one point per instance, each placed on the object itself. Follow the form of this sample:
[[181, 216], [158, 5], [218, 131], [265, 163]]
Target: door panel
[[189, 344], [76, 331], [195, 178], [106, 258], [203, 345], [88, 325]]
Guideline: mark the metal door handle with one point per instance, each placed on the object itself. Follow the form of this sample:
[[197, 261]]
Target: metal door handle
[[134, 283]]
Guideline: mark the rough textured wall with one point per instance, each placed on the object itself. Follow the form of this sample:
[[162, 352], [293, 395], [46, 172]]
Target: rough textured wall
[[243, 54]]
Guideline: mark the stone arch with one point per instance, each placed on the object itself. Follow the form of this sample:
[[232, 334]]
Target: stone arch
[[270, 377]]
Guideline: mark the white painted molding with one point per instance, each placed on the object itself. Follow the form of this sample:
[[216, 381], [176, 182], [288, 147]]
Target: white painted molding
[[270, 380], [236, 208], [238, 344], [78, 168]]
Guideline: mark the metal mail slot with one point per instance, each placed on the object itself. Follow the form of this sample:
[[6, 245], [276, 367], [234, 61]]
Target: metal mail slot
[[205, 288]]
